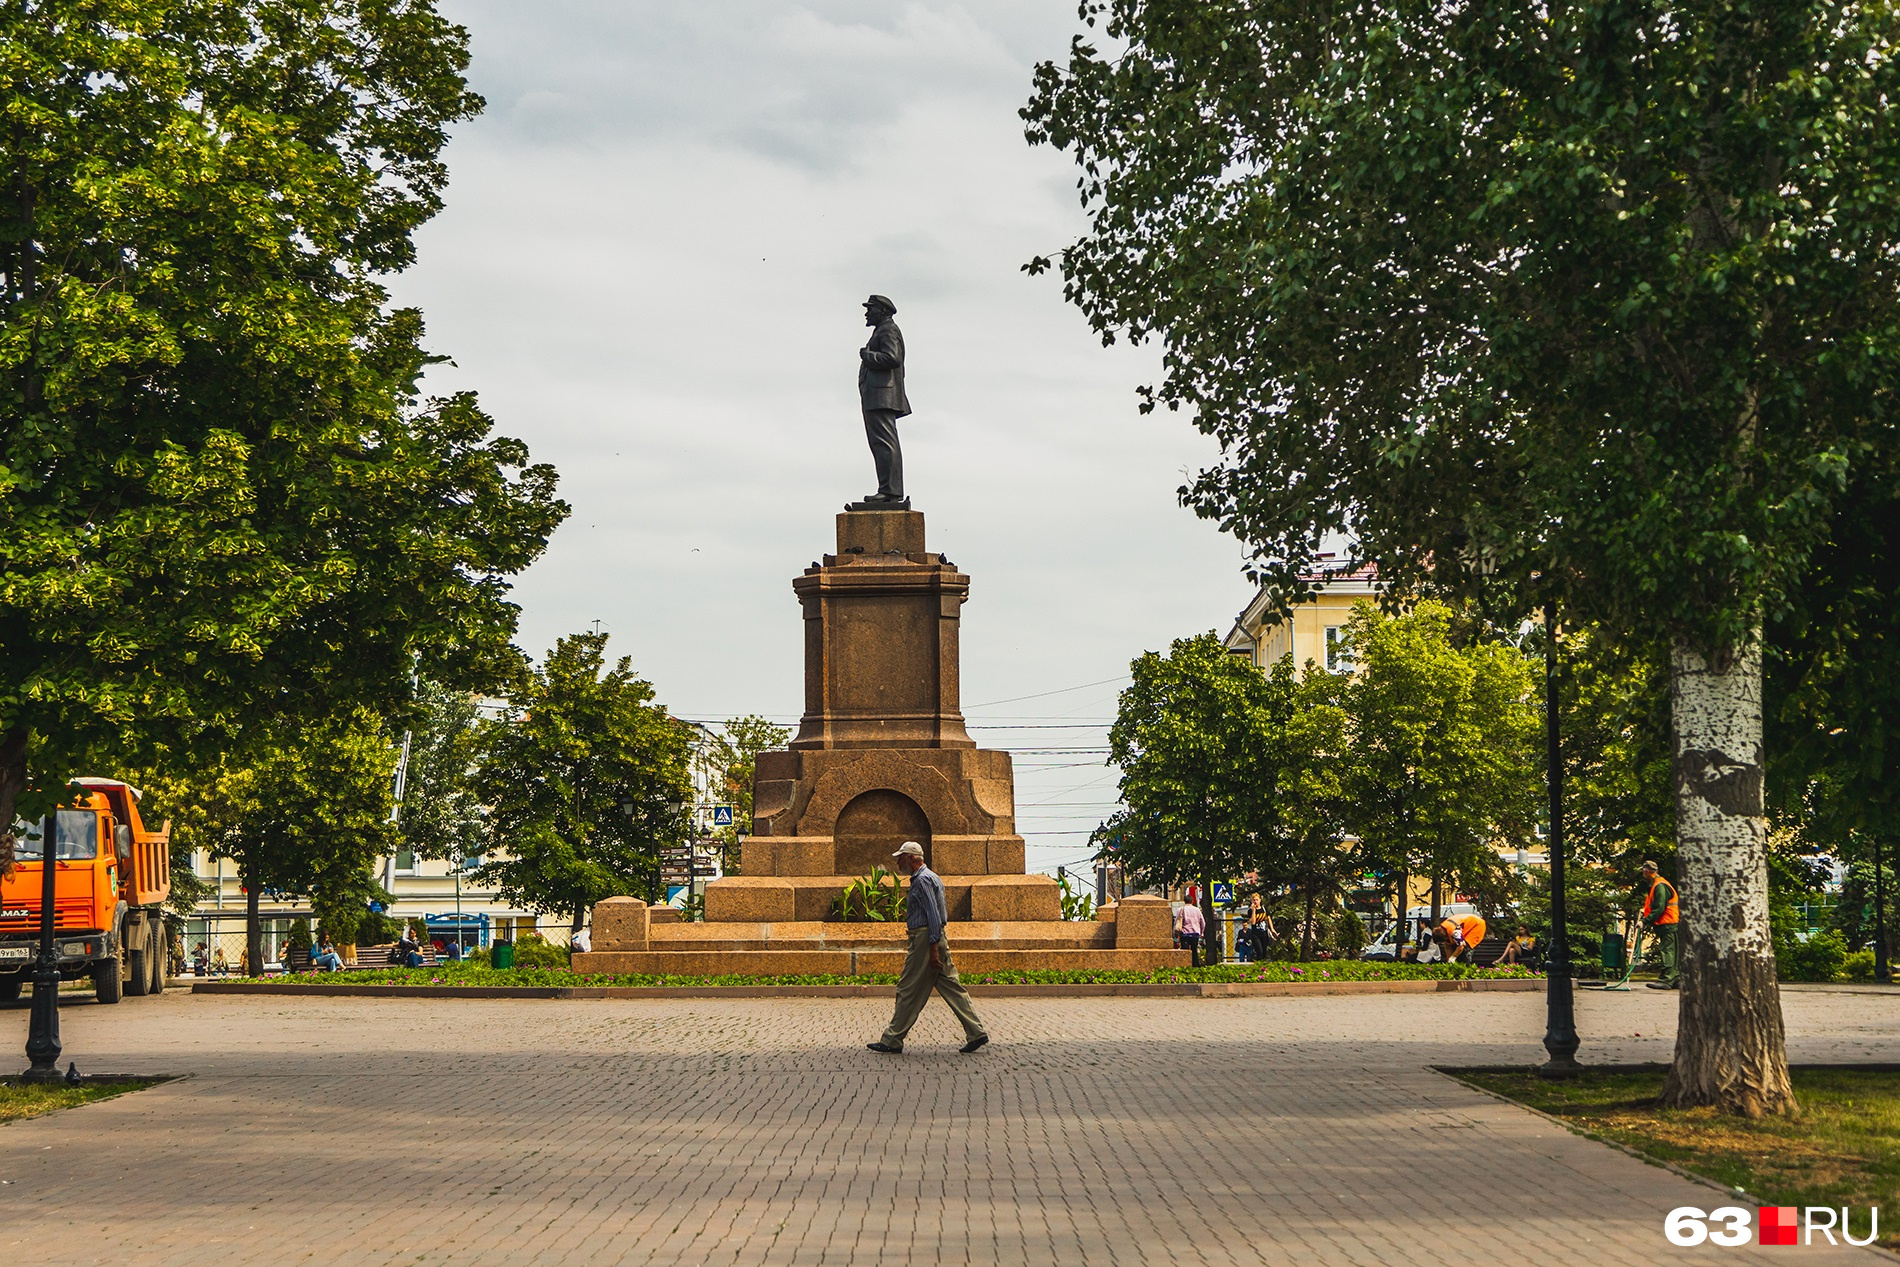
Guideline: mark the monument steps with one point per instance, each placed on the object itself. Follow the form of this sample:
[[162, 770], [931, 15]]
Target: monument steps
[[834, 935]]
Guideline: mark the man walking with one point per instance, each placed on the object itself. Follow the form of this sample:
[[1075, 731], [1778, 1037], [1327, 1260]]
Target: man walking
[[882, 398], [928, 963], [1660, 916]]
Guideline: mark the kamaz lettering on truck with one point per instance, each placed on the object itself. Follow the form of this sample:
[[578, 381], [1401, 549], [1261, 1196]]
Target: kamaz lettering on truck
[[111, 879]]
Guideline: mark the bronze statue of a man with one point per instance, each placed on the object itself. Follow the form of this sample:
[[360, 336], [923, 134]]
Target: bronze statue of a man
[[881, 394]]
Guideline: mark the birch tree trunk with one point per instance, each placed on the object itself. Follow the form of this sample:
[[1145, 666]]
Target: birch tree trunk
[[1730, 1047]]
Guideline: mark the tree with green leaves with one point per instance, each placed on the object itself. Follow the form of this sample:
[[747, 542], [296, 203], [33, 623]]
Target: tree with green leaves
[[302, 807], [585, 779], [1222, 772], [223, 498], [1301, 840], [736, 753], [1593, 304], [441, 815], [1443, 746]]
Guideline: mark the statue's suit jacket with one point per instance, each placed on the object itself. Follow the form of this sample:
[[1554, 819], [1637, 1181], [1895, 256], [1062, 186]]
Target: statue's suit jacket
[[881, 370]]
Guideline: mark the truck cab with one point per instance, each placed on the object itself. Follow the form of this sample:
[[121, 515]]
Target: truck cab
[[111, 878]]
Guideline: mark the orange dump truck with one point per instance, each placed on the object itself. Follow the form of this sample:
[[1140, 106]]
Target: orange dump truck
[[110, 884]]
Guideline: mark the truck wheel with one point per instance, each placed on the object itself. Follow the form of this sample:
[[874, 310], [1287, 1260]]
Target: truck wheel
[[138, 958], [10, 988], [106, 984], [159, 955]]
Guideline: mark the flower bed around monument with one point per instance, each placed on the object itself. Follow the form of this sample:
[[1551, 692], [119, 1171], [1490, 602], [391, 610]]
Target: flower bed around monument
[[1319, 973]]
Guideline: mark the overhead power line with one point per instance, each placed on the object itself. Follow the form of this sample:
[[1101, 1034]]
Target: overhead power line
[[1014, 699]]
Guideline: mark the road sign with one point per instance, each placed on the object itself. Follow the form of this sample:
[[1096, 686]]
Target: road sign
[[722, 816], [1224, 893]]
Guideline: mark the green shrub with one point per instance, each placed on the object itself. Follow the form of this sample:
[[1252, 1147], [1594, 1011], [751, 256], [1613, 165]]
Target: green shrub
[[1859, 966], [1822, 957], [299, 938], [1349, 935], [376, 928], [871, 898], [1077, 902], [532, 950], [478, 956]]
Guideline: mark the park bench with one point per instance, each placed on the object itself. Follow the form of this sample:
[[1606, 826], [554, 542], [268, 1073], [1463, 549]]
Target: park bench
[[373, 958]]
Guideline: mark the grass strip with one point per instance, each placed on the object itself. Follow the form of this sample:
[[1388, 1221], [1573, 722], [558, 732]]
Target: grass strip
[[1318, 973], [1841, 1149], [20, 1100]]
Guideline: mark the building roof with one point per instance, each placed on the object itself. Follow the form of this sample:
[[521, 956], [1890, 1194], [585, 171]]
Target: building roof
[[1342, 579]]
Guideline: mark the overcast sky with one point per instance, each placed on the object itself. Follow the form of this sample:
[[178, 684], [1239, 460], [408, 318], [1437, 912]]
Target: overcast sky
[[656, 243]]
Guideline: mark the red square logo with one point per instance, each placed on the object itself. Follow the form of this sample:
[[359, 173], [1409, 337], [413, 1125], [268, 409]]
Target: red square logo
[[1777, 1224]]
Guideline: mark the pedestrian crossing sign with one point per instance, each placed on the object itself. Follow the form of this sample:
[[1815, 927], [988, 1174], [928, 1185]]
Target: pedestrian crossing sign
[[722, 816], [1224, 893]]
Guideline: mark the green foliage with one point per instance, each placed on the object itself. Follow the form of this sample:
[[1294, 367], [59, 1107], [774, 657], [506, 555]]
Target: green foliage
[[1595, 901], [377, 928], [299, 938], [441, 816], [585, 778], [875, 897], [1349, 935], [1312, 973], [223, 500], [1619, 798], [1225, 770], [737, 757], [1077, 903], [1821, 957], [1441, 276], [1854, 913], [1443, 746], [532, 950], [302, 807], [1858, 966]]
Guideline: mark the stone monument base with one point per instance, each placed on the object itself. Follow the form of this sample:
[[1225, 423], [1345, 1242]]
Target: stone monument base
[[1134, 935]]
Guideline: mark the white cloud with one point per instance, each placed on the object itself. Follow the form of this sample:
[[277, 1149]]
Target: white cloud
[[650, 267]]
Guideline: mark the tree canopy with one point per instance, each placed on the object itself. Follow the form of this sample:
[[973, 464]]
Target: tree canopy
[[1592, 303], [1443, 743], [223, 496], [585, 779]]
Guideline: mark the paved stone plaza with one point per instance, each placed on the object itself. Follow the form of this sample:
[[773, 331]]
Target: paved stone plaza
[[1118, 1131]]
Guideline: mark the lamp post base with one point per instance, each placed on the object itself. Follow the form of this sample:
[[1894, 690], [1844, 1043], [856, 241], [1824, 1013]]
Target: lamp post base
[[1560, 1033]]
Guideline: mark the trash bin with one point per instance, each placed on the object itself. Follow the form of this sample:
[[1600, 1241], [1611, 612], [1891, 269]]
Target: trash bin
[[1613, 961], [504, 954]]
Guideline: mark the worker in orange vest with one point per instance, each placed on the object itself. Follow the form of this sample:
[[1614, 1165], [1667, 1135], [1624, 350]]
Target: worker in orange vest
[[1659, 920], [1461, 937]]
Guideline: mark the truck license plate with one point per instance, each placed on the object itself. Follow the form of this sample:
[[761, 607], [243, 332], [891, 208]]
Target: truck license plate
[[16, 952]]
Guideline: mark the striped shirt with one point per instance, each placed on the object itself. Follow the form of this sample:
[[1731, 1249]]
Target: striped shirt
[[927, 905]]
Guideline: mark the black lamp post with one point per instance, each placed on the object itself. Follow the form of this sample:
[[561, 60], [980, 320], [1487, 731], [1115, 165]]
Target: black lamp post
[[1883, 971], [1560, 1025], [42, 1029]]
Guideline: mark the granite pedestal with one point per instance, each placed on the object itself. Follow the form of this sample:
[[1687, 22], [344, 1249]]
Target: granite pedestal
[[881, 756]]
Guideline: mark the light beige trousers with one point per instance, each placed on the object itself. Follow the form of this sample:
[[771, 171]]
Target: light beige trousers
[[916, 983]]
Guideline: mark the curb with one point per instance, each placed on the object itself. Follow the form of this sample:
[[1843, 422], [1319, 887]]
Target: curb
[[1139, 990]]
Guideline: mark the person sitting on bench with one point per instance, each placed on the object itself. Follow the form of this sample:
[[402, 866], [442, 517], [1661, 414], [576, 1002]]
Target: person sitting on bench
[[326, 959], [1518, 949]]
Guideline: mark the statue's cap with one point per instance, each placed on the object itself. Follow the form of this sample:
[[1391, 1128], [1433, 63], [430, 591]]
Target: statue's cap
[[879, 301]]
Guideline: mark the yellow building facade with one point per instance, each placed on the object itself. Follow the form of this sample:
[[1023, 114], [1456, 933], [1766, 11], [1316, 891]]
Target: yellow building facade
[[1314, 630]]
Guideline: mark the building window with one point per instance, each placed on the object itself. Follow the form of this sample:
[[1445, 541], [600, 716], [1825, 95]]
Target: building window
[[405, 862], [1338, 655]]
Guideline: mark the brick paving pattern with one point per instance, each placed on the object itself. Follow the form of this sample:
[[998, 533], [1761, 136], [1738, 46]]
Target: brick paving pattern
[[1111, 1131]]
